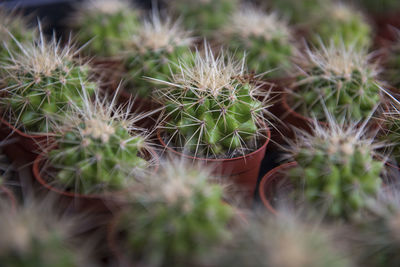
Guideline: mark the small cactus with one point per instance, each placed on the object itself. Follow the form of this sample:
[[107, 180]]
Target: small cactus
[[177, 221], [263, 37], [212, 107], [41, 80], [104, 24], [99, 149], [204, 16], [337, 167], [154, 52], [343, 24], [340, 78], [392, 64]]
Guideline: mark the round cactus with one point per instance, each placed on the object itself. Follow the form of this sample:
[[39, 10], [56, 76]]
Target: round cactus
[[340, 78], [343, 24], [204, 16], [263, 37], [41, 81], [104, 24], [154, 51], [392, 64], [99, 149], [337, 168], [177, 221], [213, 108]]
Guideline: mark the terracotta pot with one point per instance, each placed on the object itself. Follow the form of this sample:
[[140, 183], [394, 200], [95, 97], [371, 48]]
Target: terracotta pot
[[275, 181], [242, 170], [22, 147], [7, 198], [106, 202]]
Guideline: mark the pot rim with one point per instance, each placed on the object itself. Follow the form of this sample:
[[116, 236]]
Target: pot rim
[[23, 134]]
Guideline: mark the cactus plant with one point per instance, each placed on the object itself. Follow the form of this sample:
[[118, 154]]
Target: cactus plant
[[154, 51], [341, 78], [343, 24], [99, 148], [264, 37], [41, 80], [36, 236], [337, 167], [176, 217], [104, 24], [204, 16], [212, 107]]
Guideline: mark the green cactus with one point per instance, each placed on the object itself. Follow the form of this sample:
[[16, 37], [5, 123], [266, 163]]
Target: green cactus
[[177, 221], [343, 24], [339, 78], [154, 51], [263, 37], [41, 81], [392, 64], [33, 236], [337, 168], [99, 149], [212, 108], [104, 24], [203, 16]]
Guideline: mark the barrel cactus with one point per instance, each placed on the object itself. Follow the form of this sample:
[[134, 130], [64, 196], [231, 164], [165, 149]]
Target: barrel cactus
[[340, 78], [337, 168], [204, 16], [213, 108], [263, 37], [343, 24], [104, 24], [99, 148], [175, 218], [40, 83], [154, 51]]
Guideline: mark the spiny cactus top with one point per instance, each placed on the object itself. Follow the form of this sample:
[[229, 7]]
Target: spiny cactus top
[[341, 78], [345, 24], [99, 149], [177, 221], [13, 25], [40, 82], [212, 107], [337, 167], [263, 37], [105, 24], [153, 51], [203, 16], [392, 64]]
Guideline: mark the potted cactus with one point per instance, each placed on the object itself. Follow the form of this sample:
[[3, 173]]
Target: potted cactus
[[265, 38], [339, 78], [172, 220], [204, 16], [336, 169], [98, 150], [216, 114], [41, 81]]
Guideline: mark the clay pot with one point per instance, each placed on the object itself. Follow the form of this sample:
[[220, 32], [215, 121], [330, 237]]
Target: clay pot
[[242, 170], [102, 203], [7, 198]]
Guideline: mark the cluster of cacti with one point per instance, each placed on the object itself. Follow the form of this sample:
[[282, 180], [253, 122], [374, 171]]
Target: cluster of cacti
[[103, 25], [176, 218], [337, 77], [343, 24], [337, 168], [213, 108], [41, 81], [204, 16], [99, 148], [154, 52], [264, 38]]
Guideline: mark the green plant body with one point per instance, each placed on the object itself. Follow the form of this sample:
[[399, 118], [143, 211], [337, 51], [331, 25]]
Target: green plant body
[[103, 25], [340, 79], [41, 81]]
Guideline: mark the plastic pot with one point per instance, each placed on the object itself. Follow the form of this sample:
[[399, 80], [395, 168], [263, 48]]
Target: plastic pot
[[105, 203], [242, 170], [7, 198]]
